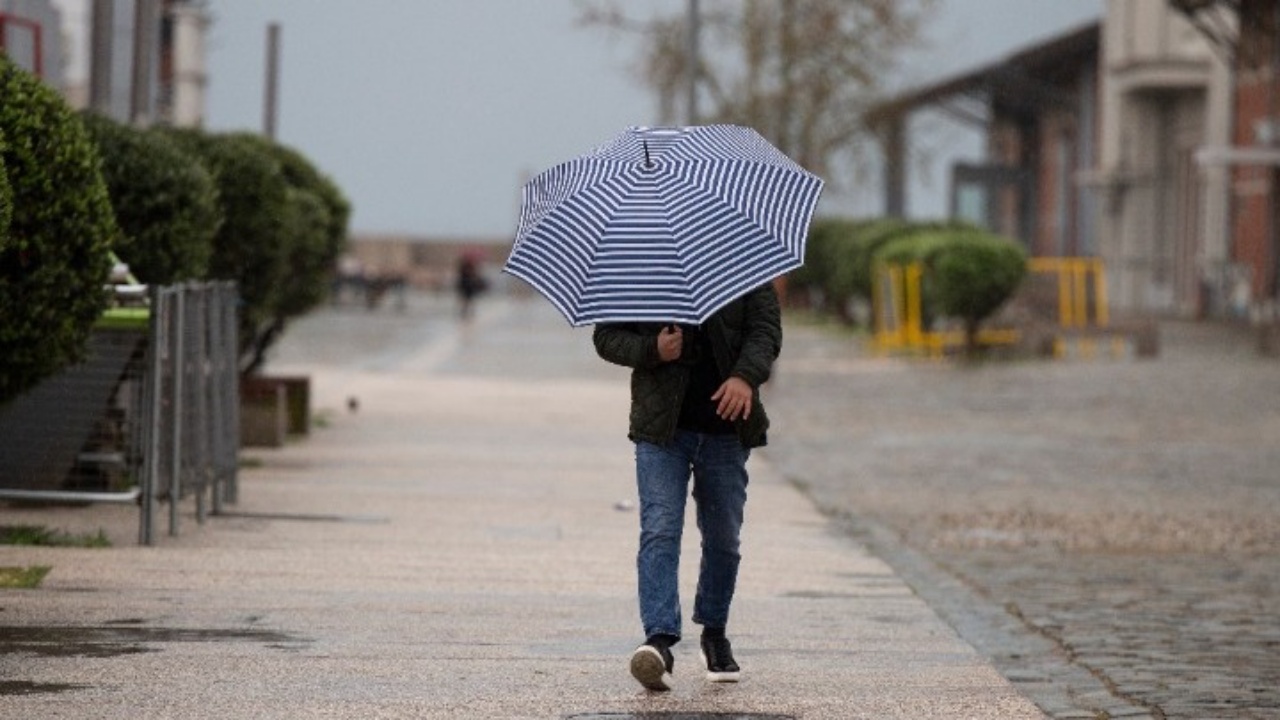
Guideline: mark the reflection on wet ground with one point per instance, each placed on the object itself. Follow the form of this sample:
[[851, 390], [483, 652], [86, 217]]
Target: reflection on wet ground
[[124, 638]]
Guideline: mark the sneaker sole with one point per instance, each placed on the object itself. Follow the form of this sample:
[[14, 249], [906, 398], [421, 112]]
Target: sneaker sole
[[723, 677], [649, 669]]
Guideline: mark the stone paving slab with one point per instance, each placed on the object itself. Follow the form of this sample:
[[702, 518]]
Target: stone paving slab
[[460, 547]]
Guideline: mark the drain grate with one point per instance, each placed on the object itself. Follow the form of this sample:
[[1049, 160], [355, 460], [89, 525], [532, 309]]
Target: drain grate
[[678, 716]]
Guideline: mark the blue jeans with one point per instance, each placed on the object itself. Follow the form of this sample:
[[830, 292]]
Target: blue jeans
[[717, 464]]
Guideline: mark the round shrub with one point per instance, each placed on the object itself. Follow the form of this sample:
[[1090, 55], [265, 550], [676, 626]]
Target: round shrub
[[57, 257], [252, 244], [314, 216], [973, 275], [165, 202]]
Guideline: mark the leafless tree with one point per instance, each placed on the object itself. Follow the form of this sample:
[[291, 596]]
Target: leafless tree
[[801, 72]]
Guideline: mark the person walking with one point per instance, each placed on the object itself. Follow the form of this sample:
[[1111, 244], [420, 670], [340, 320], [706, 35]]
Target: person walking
[[695, 412], [468, 283]]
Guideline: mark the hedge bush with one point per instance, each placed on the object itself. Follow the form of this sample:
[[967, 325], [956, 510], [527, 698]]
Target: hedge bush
[[57, 257], [6, 200], [968, 273], [251, 246], [315, 220], [974, 275], [165, 202]]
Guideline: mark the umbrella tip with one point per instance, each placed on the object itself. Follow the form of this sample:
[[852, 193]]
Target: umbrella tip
[[647, 162]]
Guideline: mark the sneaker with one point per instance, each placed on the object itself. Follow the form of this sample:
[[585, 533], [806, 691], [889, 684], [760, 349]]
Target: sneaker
[[718, 657], [651, 664]]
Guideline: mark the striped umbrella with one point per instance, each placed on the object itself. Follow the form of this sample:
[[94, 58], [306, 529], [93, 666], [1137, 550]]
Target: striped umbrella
[[663, 224]]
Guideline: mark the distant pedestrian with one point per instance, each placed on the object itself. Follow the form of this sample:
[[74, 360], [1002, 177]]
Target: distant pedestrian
[[695, 411], [469, 283]]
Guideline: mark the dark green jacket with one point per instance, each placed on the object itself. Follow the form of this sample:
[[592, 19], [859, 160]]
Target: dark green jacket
[[746, 337]]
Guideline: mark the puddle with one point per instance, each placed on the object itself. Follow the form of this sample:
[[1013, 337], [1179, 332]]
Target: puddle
[[123, 638], [307, 517], [19, 687]]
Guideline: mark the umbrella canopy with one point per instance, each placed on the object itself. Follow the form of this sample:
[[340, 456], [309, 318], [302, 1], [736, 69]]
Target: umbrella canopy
[[663, 224]]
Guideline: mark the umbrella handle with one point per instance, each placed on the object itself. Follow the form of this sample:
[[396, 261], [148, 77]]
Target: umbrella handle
[[647, 163]]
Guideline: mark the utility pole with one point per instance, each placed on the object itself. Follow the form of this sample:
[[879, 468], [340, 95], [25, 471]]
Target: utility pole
[[270, 113], [146, 31], [694, 64], [100, 36]]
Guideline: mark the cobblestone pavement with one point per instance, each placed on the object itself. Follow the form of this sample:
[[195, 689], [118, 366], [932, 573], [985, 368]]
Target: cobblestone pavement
[[1106, 530]]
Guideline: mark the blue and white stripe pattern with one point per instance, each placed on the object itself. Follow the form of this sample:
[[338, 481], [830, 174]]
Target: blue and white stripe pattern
[[663, 224]]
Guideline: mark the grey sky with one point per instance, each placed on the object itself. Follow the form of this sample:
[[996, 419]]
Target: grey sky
[[430, 113]]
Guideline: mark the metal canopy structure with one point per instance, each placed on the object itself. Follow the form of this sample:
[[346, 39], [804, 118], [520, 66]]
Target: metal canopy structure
[[1019, 85]]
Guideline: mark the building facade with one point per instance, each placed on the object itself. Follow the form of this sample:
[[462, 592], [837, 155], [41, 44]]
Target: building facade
[[1163, 217], [30, 35]]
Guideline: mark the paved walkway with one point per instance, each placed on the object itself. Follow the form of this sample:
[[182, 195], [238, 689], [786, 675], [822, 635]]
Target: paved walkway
[[460, 547]]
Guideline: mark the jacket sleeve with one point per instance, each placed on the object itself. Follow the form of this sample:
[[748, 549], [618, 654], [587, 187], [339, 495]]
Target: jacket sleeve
[[761, 336], [626, 344]]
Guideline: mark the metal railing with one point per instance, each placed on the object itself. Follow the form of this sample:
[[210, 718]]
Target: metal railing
[[190, 404], [151, 416]]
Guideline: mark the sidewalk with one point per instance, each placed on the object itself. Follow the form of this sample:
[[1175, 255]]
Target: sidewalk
[[462, 546]]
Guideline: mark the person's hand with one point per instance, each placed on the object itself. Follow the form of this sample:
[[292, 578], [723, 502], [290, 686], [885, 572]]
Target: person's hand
[[733, 399], [670, 343]]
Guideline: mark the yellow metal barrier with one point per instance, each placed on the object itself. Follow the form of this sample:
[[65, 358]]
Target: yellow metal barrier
[[1076, 276], [898, 313]]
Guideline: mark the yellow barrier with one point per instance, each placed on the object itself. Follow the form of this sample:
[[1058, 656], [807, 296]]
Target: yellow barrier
[[1075, 277], [898, 313]]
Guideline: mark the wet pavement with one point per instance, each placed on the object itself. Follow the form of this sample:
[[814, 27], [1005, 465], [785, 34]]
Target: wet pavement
[[1107, 531], [459, 545], [1103, 532]]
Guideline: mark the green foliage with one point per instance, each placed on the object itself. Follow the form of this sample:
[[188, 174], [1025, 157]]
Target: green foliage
[[164, 199], [57, 254], [23, 578], [828, 238], [44, 537], [968, 273], [315, 217], [318, 218], [284, 227], [252, 244], [976, 274], [6, 199]]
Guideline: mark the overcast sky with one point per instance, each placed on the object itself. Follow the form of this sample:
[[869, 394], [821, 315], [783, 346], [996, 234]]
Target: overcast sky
[[430, 113]]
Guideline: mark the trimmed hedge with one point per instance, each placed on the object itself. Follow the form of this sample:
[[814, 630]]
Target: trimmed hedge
[[315, 217], [165, 202], [57, 257], [252, 244], [968, 273], [6, 199]]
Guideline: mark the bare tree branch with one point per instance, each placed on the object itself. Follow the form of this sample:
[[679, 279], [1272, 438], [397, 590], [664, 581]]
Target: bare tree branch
[[801, 72]]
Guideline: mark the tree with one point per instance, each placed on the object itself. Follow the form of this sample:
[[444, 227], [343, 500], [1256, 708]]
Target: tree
[[252, 244], [315, 217], [164, 200], [975, 274], [56, 257], [801, 72]]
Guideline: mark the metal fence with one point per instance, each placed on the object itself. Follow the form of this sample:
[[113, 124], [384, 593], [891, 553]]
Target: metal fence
[[150, 417], [190, 431]]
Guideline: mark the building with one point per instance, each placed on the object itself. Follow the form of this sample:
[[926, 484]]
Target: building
[[1092, 140], [1038, 111], [1165, 94], [1247, 35], [137, 61], [30, 35]]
